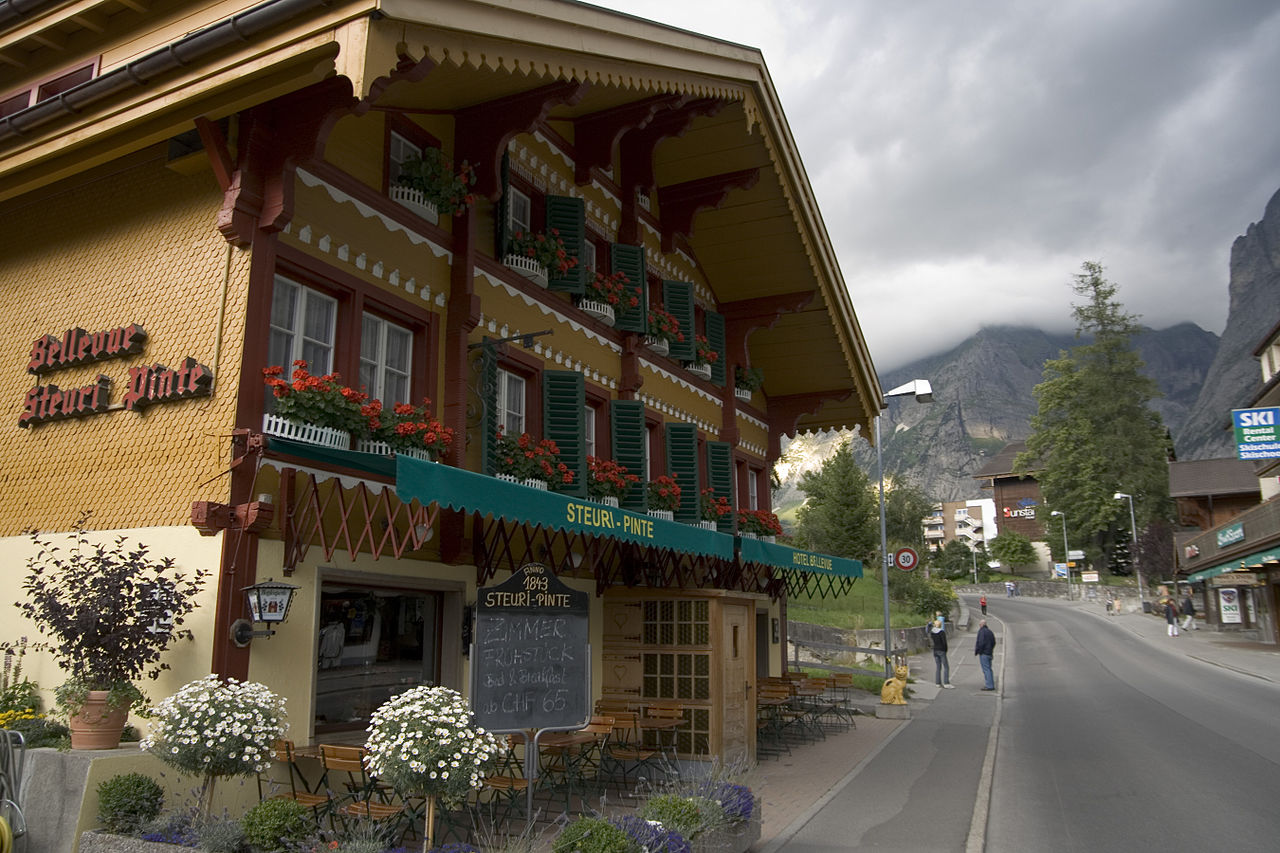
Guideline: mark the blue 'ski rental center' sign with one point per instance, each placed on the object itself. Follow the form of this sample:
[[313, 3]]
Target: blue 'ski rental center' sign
[[1257, 433]]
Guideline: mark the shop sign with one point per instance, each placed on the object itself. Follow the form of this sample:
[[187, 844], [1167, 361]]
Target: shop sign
[[1235, 579], [1257, 432], [145, 386], [531, 653], [1229, 605], [1231, 534], [1089, 577], [1025, 508]]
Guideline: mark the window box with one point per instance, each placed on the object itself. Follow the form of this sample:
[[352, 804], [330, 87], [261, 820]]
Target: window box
[[308, 433], [702, 370], [607, 500], [658, 346], [414, 200], [743, 394], [531, 482], [602, 311], [747, 534], [664, 514], [381, 448], [527, 267], [707, 525]]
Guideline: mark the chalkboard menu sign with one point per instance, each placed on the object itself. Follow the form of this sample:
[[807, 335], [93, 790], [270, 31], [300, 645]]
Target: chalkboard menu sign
[[531, 657]]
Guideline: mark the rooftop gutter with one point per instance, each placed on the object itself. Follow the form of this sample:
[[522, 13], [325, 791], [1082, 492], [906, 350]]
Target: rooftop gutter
[[185, 51]]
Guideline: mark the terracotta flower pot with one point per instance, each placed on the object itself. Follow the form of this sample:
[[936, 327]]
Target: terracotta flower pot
[[97, 725]]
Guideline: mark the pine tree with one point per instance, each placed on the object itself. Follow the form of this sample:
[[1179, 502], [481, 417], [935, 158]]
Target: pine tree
[[840, 516], [1094, 432]]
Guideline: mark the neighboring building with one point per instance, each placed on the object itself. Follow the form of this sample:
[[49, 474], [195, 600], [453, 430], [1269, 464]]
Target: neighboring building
[[200, 191], [1234, 566], [970, 521]]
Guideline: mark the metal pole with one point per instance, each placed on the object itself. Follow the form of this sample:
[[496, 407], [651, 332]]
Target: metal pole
[[1133, 549], [974, 554], [1065, 552], [884, 557]]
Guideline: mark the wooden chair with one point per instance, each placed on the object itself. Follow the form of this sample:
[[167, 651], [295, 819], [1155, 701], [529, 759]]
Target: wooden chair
[[625, 750], [365, 798], [505, 793], [662, 724], [318, 802]]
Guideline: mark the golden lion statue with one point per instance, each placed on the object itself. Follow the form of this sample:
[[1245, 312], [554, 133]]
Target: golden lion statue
[[891, 693]]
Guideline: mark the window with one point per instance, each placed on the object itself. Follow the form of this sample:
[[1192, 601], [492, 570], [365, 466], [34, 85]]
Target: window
[[588, 259], [519, 212], [302, 326], [753, 498], [589, 429], [511, 402], [400, 150], [372, 642], [385, 358]]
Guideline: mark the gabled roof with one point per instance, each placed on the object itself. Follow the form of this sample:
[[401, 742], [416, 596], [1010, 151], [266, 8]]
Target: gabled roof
[[1001, 465], [1203, 477]]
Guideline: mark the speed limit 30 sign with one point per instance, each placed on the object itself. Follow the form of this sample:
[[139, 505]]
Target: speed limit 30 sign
[[906, 559]]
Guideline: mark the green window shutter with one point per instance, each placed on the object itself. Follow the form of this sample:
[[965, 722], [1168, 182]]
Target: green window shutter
[[629, 437], [568, 216], [628, 259], [716, 338], [720, 477], [489, 399], [563, 402], [682, 463], [678, 297], [500, 213]]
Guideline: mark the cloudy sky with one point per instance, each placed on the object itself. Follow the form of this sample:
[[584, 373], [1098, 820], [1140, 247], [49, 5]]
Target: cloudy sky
[[968, 155]]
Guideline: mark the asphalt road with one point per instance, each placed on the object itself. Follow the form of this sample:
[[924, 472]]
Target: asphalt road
[[1108, 742]]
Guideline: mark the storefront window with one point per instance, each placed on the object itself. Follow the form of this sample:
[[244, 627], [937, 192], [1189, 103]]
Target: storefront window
[[373, 643]]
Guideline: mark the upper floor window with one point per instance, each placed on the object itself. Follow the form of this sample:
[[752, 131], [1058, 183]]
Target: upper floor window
[[386, 352], [587, 258], [511, 402], [589, 429], [753, 496], [399, 151], [519, 211], [49, 88], [303, 321]]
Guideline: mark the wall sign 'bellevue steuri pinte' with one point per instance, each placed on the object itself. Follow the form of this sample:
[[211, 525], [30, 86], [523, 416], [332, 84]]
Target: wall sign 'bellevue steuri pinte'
[[147, 384]]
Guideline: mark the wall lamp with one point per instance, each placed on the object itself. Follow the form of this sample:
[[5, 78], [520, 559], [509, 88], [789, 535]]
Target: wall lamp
[[268, 604]]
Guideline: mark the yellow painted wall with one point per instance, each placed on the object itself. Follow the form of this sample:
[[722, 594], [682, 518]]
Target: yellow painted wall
[[130, 243]]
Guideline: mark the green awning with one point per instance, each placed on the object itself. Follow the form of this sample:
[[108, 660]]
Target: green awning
[[1252, 561], [459, 489], [372, 463], [794, 560]]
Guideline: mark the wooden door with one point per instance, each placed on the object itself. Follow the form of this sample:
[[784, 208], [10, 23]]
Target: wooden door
[[737, 694]]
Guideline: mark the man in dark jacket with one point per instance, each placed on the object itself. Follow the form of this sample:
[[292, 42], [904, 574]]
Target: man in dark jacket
[[985, 648], [938, 635]]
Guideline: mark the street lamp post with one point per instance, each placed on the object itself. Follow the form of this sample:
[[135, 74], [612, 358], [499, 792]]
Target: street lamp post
[[974, 555], [1133, 544], [921, 390], [1066, 561]]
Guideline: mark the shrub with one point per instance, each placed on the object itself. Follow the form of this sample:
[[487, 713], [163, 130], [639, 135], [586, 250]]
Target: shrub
[[38, 730], [736, 800], [171, 828], [594, 835], [223, 836], [127, 801], [653, 837], [276, 824], [688, 816]]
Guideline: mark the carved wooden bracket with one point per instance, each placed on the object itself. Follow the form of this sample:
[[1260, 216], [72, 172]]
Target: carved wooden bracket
[[745, 316], [483, 130], [632, 380], [596, 134], [680, 203], [785, 413]]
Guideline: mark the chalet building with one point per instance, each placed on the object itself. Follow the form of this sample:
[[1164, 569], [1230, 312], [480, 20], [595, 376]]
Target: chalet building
[[1233, 566], [192, 193]]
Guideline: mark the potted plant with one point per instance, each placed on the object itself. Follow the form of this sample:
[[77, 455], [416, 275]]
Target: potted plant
[[746, 381], [536, 255], [211, 728], [605, 294], [425, 743], [758, 523], [315, 409], [406, 429], [664, 497], [109, 611], [662, 331], [712, 508], [428, 185], [530, 461], [607, 481], [703, 357]]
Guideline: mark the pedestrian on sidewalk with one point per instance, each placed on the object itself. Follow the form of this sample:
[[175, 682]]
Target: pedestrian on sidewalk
[[1171, 615], [984, 648], [942, 667], [982, 602], [1188, 612]]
